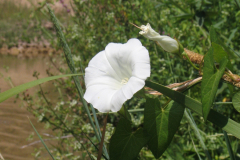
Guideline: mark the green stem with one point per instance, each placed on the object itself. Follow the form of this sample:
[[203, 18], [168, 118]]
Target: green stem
[[195, 147], [71, 65], [136, 110], [185, 54], [222, 103], [230, 151], [197, 133]]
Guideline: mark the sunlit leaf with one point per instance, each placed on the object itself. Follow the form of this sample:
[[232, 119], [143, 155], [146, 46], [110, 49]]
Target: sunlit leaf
[[161, 123], [126, 144], [210, 80]]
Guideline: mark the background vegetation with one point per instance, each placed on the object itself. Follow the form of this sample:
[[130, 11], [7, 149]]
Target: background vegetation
[[96, 23]]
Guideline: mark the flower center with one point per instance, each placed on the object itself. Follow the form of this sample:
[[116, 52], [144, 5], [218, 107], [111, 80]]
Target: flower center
[[124, 81]]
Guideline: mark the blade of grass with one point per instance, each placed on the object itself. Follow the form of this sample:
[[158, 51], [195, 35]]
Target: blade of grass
[[71, 65], [41, 139], [195, 147], [96, 121], [16, 90], [46, 145], [230, 151], [197, 134]]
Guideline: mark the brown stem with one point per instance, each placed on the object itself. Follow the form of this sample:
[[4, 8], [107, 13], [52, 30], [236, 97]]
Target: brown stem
[[228, 76], [102, 139], [177, 86]]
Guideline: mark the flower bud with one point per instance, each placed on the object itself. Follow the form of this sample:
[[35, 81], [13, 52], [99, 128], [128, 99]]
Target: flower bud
[[167, 43]]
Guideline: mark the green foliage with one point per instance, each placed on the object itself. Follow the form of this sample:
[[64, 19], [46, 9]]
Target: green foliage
[[93, 26], [236, 101], [126, 144], [216, 118], [210, 80], [161, 123], [124, 113]]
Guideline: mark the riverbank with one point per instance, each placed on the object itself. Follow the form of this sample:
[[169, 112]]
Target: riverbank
[[29, 50], [26, 30]]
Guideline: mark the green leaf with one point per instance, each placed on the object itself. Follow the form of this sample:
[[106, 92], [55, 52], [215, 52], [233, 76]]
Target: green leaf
[[236, 101], [216, 118], [213, 35], [219, 54], [232, 35], [41, 140], [16, 90], [210, 80], [124, 113], [230, 151], [214, 39], [161, 124], [126, 144]]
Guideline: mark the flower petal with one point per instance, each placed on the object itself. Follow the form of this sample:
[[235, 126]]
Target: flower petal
[[99, 66], [100, 97], [119, 56], [134, 84], [117, 100], [141, 70], [126, 92]]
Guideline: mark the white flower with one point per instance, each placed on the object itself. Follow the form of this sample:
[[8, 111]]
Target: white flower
[[115, 74], [76, 58], [73, 103], [167, 43]]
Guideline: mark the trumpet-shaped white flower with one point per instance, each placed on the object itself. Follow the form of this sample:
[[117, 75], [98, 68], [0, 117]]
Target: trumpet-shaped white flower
[[167, 43], [115, 74]]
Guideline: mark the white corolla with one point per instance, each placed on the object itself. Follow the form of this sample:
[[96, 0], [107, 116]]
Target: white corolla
[[115, 74], [167, 43]]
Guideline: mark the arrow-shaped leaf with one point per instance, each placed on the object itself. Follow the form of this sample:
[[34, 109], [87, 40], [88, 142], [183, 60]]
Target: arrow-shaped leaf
[[161, 124], [210, 80], [126, 144], [216, 118]]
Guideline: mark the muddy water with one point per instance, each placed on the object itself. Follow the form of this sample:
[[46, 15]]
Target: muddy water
[[14, 125]]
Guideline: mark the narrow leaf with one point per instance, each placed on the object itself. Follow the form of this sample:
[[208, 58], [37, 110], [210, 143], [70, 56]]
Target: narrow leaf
[[236, 101], [41, 140], [126, 144], [210, 80], [230, 151], [16, 90], [161, 124], [216, 118]]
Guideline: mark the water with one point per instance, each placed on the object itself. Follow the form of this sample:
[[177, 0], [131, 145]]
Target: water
[[14, 124]]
